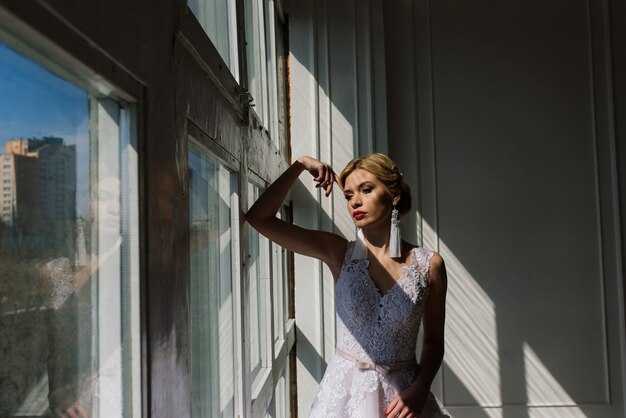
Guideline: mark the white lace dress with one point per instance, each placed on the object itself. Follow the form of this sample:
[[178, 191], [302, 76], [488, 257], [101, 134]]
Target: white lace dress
[[378, 329]]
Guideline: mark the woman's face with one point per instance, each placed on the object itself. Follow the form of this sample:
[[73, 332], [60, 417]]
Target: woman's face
[[368, 199]]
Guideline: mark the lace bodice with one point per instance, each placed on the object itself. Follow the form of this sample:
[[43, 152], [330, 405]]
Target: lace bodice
[[375, 327]]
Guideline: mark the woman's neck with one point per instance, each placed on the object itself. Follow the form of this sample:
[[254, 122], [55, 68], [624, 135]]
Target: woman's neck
[[376, 239]]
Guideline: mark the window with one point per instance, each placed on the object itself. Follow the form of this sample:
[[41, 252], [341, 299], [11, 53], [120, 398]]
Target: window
[[212, 207], [268, 291], [266, 66], [219, 20], [69, 315], [259, 298], [280, 274]]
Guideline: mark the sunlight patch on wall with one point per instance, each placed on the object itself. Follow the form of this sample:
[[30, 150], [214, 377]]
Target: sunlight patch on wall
[[471, 334], [302, 106], [543, 389]]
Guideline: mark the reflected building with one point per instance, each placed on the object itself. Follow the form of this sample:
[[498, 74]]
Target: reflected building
[[38, 188]]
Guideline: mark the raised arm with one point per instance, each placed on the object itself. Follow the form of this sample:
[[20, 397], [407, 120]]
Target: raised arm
[[324, 246]]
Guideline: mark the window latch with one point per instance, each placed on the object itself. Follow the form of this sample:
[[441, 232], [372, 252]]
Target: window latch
[[246, 99]]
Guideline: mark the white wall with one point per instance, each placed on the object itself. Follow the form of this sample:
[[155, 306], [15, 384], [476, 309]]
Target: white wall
[[338, 111], [500, 115], [520, 197]]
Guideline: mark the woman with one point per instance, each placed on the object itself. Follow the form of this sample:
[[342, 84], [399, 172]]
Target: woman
[[384, 287]]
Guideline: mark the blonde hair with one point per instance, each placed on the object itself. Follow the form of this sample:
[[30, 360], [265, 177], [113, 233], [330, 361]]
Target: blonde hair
[[387, 172]]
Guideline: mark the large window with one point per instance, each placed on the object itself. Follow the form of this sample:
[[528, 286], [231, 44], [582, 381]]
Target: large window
[[242, 337], [69, 284], [271, 329], [213, 205]]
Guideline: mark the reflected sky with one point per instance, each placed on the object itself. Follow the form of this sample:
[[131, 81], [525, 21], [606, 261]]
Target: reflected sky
[[34, 102]]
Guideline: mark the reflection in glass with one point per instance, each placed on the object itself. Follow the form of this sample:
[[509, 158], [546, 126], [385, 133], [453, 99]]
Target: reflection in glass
[[219, 20], [255, 61], [212, 189], [61, 280]]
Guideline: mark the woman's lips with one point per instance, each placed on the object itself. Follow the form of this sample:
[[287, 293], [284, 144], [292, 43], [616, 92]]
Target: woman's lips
[[358, 215]]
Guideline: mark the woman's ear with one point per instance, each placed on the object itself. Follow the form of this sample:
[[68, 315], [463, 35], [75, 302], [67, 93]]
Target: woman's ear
[[396, 199]]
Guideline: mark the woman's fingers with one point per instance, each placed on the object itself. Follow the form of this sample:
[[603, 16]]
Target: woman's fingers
[[391, 407], [75, 410], [324, 176], [328, 181], [398, 409]]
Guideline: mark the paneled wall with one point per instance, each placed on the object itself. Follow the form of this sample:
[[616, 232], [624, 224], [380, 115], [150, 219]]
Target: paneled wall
[[520, 198], [338, 111]]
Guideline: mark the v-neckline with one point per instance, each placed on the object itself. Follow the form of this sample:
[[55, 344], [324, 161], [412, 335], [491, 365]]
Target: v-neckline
[[404, 270]]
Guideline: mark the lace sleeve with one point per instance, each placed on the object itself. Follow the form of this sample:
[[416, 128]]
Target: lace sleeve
[[421, 263], [61, 280]]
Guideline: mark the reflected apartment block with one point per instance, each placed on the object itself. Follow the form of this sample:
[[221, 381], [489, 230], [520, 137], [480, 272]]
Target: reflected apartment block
[[38, 186]]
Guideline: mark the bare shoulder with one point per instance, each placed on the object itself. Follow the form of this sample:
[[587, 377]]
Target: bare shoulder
[[437, 270], [336, 247]]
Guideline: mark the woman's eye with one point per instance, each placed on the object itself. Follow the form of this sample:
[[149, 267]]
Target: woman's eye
[[367, 190], [348, 196]]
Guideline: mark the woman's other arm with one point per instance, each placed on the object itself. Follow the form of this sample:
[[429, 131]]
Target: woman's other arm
[[324, 246], [410, 402]]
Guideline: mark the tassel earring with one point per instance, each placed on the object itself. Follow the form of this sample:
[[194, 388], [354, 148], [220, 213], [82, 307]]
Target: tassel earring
[[395, 243]]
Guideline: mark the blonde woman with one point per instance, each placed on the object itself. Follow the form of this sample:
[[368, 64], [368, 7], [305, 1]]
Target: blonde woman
[[384, 289]]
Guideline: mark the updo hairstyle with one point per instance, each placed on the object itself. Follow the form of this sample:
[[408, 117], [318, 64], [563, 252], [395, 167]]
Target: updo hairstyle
[[387, 172]]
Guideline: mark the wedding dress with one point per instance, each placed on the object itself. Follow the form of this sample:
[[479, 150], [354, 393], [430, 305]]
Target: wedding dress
[[376, 340]]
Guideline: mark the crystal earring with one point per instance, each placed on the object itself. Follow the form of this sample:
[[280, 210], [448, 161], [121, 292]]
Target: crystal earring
[[395, 243]]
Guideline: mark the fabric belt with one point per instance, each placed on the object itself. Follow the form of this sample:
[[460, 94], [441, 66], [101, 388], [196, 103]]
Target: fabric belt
[[382, 368]]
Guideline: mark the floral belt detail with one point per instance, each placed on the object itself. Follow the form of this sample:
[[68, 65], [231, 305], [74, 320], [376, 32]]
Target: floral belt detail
[[382, 368]]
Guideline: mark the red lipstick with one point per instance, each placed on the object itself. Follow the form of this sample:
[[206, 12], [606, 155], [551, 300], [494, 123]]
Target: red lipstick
[[358, 214]]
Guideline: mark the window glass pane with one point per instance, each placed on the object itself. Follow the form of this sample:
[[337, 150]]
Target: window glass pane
[[280, 271], [68, 283], [254, 291], [282, 88], [279, 291], [259, 296], [213, 189], [280, 403], [256, 56], [270, 62], [219, 20]]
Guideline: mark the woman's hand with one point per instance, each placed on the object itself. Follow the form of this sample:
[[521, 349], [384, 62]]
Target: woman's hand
[[322, 173], [408, 403], [75, 410]]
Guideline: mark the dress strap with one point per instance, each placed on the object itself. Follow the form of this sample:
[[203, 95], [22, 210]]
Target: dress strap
[[382, 368], [420, 260]]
